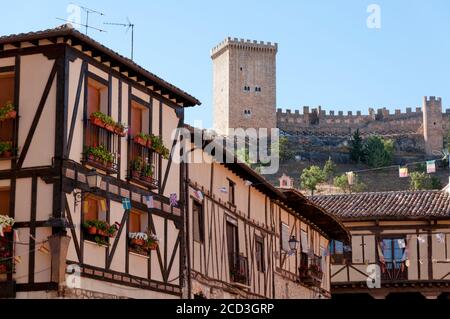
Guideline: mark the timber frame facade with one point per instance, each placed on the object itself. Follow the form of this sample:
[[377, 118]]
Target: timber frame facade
[[405, 233], [239, 227], [60, 78]]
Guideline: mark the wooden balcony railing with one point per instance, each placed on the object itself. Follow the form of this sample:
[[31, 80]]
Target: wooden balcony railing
[[239, 269], [102, 141], [312, 273]]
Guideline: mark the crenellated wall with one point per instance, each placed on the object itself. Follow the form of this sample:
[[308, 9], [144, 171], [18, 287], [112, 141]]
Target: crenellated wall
[[424, 126]]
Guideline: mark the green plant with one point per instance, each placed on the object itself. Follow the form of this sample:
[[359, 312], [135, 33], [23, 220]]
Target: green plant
[[6, 110], [357, 147], [311, 177], [100, 153], [137, 164], [5, 147], [329, 170], [158, 146], [378, 151], [148, 171], [342, 183]]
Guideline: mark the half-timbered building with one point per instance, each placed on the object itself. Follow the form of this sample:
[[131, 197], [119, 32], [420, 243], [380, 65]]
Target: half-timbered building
[[85, 176], [400, 244], [248, 239]]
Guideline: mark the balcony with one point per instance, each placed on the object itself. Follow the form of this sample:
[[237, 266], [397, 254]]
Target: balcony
[[239, 269], [311, 275], [144, 166], [101, 148], [393, 271], [7, 127]]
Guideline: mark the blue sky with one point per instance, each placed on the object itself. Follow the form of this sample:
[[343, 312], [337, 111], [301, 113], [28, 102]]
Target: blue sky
[[327, 55]]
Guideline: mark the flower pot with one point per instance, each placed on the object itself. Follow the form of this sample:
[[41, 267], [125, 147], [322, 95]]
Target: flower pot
[[7, 154], [136, 174], [148, 179], [149, 143], [138, 242], [152, 246], [92, 230], [110, 128], [3, 269], [7, 229], [97, 121], [140, 140], [12, 114], [102, 233]]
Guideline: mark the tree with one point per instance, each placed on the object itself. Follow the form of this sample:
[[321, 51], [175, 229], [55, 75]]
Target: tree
[[378, 151], [283, 149], [342, 183], [311, 177], [329, 170], [357, 147], [420, 181]]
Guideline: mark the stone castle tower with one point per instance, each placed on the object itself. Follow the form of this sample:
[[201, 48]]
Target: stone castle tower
[[244, 85], [433, 125]]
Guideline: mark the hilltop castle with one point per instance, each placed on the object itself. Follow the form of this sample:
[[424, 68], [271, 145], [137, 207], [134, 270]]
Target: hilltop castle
[[244, 96]]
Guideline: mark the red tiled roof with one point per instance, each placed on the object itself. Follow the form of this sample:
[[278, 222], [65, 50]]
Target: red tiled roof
[[68, 30], [387, 205]]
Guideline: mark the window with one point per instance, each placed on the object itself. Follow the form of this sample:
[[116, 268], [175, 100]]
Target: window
[[337, 252], [94, 209], [135, 222], [247, 113], [7, 83], [259, 250], [4, 201], [199, 229], [393, 258], [258, 89], [231, 192], [246, 88], [143, 161], [232, 243], [101, 140], [285, 237]]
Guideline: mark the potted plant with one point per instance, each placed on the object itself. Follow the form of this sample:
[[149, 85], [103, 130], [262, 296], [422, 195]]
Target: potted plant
[[158, 147], [147, 173], [100, 155], [121, 129], [6, 224], [98, 119], [136, 166], [91, 227], [8, 112], [137, 239], [110, 125], [143, 242], [6, 149], [141, 139]]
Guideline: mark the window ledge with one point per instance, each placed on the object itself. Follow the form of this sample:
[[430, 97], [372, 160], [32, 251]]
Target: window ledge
[[95, 244], [138, 255]]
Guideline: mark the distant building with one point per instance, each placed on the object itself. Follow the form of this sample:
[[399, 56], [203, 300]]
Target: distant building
[[406, 234], [244, 96]]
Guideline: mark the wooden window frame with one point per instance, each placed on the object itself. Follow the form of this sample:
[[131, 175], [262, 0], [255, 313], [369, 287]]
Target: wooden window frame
[[260, 260], [231, 192], [200, 222]]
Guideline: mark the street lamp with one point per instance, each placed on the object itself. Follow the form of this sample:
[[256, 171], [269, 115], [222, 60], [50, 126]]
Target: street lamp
[[94, 182], [293, 243]]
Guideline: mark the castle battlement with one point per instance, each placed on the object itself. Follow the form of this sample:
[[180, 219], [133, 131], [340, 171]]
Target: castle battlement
[[351, 114], [244, 44]]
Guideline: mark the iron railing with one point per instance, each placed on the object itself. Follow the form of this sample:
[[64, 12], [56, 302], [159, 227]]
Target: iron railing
[[239, 269]]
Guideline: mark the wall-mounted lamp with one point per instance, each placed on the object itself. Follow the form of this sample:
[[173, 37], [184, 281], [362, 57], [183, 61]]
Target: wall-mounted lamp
[[293, 243], [94, 182]]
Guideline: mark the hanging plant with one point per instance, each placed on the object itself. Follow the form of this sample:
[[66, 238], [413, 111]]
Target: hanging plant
[[8, 112]]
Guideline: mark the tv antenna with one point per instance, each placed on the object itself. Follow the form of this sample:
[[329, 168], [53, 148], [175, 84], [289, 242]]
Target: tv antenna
[[82, 25], [88, 12], [129, 25]]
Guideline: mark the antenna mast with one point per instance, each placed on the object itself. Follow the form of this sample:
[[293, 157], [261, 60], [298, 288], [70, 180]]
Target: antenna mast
[[88, 12], [129, 26]]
